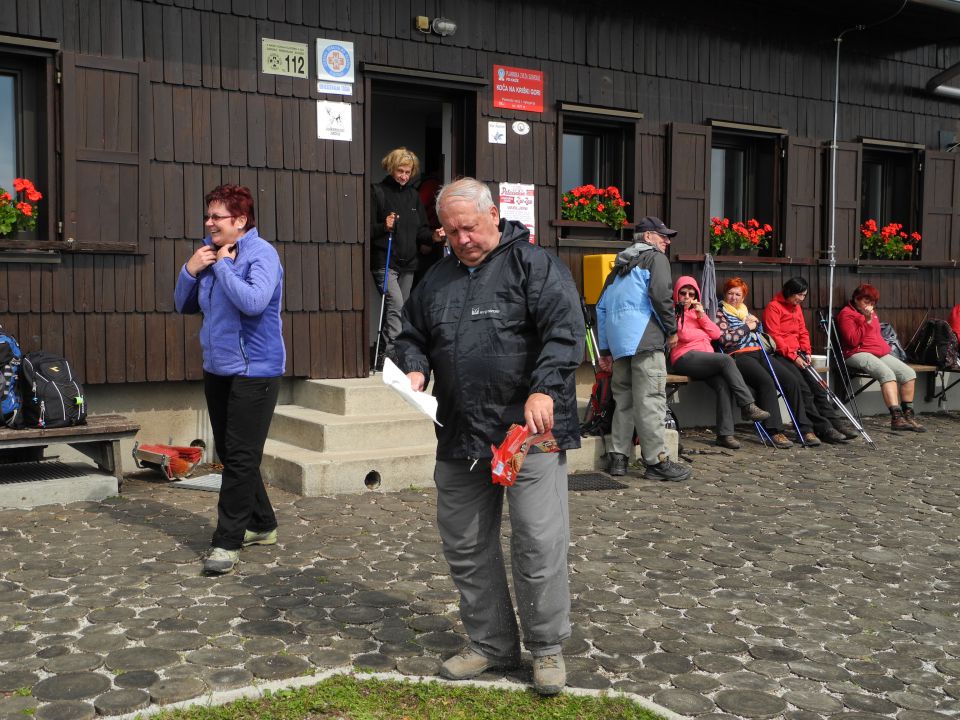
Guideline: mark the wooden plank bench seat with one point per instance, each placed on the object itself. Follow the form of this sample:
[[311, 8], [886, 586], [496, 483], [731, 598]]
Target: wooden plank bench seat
[[99, 439], [932, 373]]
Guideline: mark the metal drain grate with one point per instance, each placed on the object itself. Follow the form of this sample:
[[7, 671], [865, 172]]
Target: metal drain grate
[[580, 482], [33, 471]]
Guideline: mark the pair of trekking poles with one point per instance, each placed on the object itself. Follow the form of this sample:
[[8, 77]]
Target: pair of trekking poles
[[383, 300]]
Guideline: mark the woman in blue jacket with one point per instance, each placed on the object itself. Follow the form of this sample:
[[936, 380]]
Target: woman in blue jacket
[[236, 281]]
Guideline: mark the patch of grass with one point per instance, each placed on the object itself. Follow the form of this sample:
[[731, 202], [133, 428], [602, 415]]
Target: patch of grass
[[343, 697]]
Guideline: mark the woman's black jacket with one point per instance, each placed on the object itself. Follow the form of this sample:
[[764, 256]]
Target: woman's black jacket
[[410, 231]]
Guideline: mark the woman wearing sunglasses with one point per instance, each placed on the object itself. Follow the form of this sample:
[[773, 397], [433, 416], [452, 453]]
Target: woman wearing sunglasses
[[694, 356]]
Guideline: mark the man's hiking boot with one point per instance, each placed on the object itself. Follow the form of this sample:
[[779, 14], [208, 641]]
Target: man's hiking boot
[[781, 441], [268, 537], [667, 470], [618, 464], [834, 437], [468, 663], [753, 413], [549, 674], [811, 440], [220, 561], [899, 422], [912, 419], [845, 428], [728, 441]]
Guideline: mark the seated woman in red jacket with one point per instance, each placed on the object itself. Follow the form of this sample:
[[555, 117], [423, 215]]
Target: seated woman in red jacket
[[783, 319], [955, 319], [693, 355], [865, 351]]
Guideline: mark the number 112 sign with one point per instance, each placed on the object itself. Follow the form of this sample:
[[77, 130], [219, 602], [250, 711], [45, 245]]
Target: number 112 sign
[[284, 58]]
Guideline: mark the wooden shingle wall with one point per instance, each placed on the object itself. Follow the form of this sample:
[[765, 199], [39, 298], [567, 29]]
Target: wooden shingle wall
[[164, 100]]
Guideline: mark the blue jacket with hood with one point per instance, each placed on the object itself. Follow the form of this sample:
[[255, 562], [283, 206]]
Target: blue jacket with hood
[[635, 312], [240, 300]]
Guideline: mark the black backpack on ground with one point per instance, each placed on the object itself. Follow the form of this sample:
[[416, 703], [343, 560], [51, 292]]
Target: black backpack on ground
[[52, 396], [935, 344]]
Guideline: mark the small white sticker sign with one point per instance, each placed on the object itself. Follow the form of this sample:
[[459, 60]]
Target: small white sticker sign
[[497, 132], [334, 120], [280, 57], [520, 127], [334, 88], [335, 60]]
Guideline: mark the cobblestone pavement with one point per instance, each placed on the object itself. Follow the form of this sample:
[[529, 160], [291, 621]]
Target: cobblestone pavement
[[795, 584]]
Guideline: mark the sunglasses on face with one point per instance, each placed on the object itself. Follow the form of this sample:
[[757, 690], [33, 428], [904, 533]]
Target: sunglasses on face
[[687, 293]]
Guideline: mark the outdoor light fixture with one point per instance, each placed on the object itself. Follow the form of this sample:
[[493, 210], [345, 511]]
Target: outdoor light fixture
[[443, 26]]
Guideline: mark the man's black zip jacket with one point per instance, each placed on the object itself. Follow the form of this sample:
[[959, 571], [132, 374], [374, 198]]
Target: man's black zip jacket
[[491, 338], [410, 231]]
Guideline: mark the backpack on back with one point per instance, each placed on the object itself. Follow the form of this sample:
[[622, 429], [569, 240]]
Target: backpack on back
[[52, 397], [935, 344], [10, 358]]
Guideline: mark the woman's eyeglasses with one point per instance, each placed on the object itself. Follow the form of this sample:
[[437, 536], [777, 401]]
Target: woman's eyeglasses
[[215, 217], [686, 293]]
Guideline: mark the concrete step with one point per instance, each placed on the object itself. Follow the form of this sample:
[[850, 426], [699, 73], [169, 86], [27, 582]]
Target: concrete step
[[330, 432], [310, 473], [354, 396]]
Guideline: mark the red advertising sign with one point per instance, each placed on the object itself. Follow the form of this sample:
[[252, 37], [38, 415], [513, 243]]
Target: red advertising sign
[[517, 88]]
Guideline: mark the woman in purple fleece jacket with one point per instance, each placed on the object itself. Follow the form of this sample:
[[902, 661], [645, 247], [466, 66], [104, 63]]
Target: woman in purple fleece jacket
[[236, 281]]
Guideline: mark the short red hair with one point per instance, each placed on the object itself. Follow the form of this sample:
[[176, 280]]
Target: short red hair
[[738, 283], [866, 291], [237, 199]]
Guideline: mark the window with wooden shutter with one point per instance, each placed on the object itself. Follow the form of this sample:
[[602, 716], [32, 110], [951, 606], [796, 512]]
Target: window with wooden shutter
[[802, 228], [689, 187], [105, 164], [941, 206], [847, 234]]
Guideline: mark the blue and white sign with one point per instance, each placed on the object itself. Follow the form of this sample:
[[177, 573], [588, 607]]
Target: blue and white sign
[[335, 60]]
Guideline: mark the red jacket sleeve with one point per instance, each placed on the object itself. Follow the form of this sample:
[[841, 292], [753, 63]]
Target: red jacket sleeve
[[776, 323], [955, 319]]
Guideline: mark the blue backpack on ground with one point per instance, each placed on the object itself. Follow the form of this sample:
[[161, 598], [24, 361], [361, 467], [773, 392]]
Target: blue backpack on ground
[[10, 357]]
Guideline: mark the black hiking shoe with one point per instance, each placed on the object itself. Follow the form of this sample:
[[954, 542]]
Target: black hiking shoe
[[845, 428], [618, 464], [667, 470], [833, 437]]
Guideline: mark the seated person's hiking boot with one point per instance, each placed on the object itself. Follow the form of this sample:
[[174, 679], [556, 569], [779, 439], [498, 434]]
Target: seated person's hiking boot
[[728, 441], [845, 428], [220, 561], [618, 464], [667, 470], [549, 674], [811, 440], [834, 437], [268, 537], [753, 412], [468, 663], [912, 419], [781, 441], [899, 422]]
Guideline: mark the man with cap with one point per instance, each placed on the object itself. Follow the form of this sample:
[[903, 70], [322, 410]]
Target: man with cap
[[635, 320]]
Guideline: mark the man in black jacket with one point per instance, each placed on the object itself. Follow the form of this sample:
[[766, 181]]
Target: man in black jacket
[[499, 325]]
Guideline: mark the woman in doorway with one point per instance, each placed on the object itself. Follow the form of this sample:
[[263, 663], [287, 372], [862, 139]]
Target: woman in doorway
[[236, 281], [398, 222], [865, 351]]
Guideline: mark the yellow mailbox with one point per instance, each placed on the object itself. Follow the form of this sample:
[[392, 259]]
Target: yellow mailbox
[[595, 271]]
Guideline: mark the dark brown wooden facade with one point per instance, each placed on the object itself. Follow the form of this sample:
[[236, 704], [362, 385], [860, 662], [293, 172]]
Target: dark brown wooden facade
[[160, 101]]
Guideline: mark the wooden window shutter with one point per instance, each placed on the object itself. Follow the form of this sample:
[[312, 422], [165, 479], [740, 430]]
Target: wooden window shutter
[[801, 222], [849, 181], [689, 187], [941, 207], [106, 123]]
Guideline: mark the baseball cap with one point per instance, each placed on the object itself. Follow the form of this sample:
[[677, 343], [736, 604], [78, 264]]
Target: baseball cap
[[653, 224]]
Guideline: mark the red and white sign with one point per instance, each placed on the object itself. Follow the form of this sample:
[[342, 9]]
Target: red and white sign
[[517, 202], [517, 88]]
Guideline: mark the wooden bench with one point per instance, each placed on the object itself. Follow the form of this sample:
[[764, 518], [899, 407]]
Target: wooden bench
[[931, 393], [99, 440]]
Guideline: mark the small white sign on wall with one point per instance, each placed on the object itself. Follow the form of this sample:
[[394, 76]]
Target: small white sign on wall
[[497, 132], [281, 57], [334, 120], [518, 202], [335, 60]]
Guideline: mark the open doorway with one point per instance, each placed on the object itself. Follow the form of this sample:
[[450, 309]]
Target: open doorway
[[432, 123]]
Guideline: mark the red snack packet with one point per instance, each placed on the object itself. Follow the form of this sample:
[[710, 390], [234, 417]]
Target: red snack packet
[[508, 458]]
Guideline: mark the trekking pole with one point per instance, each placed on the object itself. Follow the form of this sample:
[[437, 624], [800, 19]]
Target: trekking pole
[[845, 379], [591, 340], [761, 430], [776, 380], [383, 299], [812, 371]]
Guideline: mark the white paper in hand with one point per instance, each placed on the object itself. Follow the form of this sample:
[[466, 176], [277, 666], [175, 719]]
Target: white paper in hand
[[393, 377]]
